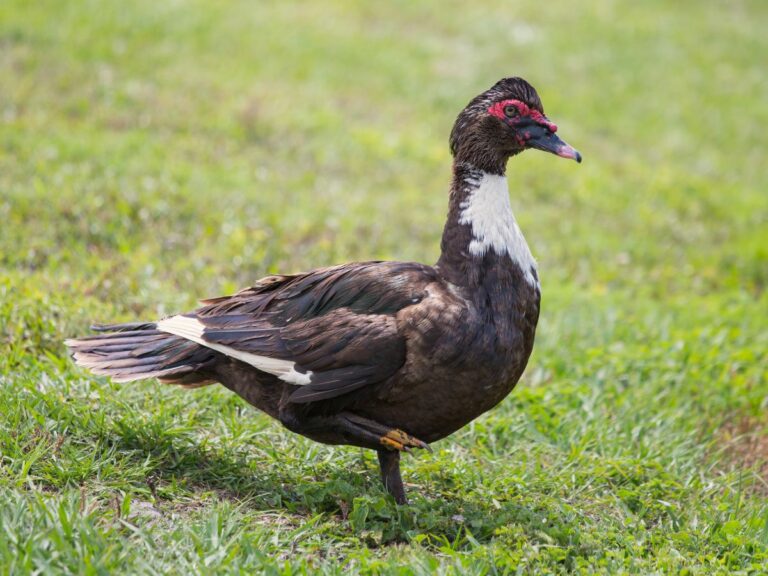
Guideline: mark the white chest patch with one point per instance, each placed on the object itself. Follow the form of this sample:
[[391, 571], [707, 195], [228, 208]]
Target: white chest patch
[[192, 329], [488, 211]]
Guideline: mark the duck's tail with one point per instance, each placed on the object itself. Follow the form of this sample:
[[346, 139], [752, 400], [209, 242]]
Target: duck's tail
[[136, 351]]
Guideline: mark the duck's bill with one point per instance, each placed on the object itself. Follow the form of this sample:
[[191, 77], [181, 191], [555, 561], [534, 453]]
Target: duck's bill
[[551, 142]]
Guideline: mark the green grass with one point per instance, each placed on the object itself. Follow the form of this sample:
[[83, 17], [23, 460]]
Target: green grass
[[155, 152]]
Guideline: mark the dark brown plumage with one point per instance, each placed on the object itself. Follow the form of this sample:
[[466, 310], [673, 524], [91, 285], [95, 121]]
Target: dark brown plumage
[[384, 355]]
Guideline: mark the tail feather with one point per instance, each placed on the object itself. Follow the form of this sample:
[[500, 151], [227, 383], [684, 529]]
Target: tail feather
[[136, 351]]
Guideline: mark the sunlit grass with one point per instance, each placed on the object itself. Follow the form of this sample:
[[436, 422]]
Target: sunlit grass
[[156, 153]]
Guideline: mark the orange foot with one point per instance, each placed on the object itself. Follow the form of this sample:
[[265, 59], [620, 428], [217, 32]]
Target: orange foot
[[399, 440]]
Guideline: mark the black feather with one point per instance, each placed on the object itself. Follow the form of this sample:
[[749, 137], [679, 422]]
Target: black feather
[[138, 350]]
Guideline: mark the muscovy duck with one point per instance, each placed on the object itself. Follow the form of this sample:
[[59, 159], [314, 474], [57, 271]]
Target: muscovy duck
[[384, 355]]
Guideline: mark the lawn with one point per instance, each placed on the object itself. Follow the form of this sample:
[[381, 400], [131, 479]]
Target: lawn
[[153, 153]]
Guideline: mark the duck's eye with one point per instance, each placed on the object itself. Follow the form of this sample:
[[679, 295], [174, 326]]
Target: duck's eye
[[511, 111]]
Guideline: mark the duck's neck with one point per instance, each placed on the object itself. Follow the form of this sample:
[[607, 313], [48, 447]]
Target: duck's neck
[[481, 239]]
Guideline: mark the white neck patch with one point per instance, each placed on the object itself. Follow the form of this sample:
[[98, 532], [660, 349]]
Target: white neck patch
[[488, 211]]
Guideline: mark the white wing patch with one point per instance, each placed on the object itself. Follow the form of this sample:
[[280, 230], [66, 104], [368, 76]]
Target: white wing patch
[[488, 211], [192, 329]]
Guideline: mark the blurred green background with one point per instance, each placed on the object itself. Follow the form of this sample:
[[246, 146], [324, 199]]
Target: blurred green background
[[152, 153]]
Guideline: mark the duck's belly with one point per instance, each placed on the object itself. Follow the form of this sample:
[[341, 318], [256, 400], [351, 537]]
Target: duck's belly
[[464, 356], [436, 401]]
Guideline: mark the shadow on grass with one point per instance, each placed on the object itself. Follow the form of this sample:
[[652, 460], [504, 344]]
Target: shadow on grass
[[156, 454], [251, 477], [351, 498]]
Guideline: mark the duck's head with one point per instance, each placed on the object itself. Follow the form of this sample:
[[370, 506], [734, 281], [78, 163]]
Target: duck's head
[[503, 121]]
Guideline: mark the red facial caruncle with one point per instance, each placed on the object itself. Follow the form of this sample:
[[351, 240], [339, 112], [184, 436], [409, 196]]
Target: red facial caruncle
[[531, 129], [523, 111]]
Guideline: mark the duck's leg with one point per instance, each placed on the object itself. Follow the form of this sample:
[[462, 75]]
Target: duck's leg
[[348, 428], [392, 438], [389, 461]]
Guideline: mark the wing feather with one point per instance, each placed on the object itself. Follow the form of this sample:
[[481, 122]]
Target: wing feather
[[330, 331]]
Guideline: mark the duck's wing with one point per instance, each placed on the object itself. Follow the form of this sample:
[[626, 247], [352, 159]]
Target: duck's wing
[[329, 331]]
